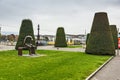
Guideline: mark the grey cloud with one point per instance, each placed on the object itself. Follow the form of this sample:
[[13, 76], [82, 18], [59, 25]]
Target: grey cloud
[[59, 11], [29, 7], [16, 8]]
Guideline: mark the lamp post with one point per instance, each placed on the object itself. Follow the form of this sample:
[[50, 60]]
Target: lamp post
[[38, 35]]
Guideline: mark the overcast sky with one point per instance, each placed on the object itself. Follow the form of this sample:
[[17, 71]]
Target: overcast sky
[[75, 16]]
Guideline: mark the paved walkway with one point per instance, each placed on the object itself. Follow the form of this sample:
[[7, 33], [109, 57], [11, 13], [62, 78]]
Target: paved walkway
[[5, 47], [111, 71], [61, 49]]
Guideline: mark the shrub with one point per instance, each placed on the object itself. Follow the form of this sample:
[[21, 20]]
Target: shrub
[[25, 30], [100, 40], [115, 35], [87, 37], [60, 38]]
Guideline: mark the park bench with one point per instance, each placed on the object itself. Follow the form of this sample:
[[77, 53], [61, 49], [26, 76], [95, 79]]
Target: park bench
[[28, 46]]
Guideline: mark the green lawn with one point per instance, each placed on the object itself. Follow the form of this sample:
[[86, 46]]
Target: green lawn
[[57, 65]]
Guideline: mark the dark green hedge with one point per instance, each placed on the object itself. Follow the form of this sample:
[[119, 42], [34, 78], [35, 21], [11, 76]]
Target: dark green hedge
[[25, 30], [87, 37], [115, 35], [100, 40], [60, 38]]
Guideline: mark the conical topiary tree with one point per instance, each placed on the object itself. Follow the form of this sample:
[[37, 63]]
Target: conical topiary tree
[[115, 35], [100, 40], [60, 38], [25, 30], [87, 37]]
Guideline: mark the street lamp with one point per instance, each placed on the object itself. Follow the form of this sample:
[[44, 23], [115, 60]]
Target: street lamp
[[38, 35]]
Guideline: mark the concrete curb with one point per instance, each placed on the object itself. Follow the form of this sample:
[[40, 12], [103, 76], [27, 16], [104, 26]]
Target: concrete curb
[[97, 70]]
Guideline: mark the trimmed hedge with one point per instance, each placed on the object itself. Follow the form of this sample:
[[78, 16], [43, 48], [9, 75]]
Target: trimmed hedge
[[25, 30], [60, 38], [100, 40], [87, 37], [115, 35]]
